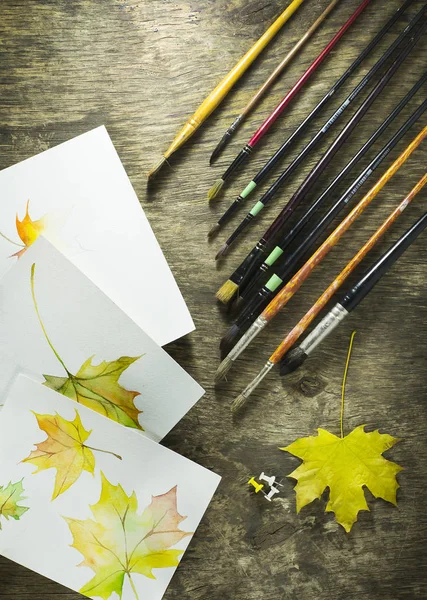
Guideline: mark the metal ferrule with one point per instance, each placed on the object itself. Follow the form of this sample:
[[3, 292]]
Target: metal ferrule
[[235, 124], [255, 382], [324, 328], [251, 334]]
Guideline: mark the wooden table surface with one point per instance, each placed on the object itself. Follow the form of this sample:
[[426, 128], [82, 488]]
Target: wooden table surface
[[141, 67]]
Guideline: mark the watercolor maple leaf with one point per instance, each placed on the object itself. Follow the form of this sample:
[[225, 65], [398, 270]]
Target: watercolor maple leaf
[[95, 386], [64, 450], [345, 465], [118, 542], [28, 231], [10, 495]]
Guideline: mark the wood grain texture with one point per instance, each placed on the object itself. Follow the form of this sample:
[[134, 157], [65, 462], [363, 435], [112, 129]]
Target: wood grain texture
[[141, 68]]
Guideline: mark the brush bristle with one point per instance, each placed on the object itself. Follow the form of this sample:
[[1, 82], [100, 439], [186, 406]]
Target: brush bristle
[[157, 168], [239, 403], [215, 189], [214, 230], [227, 291], [223, 369], [222, 252], [229, 340]]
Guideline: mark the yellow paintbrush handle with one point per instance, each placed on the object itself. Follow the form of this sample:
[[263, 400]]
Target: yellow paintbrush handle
[[222, 89]]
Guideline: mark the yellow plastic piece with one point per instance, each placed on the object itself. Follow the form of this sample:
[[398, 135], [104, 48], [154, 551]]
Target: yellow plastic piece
[[258, 486]]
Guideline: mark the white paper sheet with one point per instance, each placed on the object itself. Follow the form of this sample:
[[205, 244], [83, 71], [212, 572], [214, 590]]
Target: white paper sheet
[[54, 536], [82, 324], [91, 213]]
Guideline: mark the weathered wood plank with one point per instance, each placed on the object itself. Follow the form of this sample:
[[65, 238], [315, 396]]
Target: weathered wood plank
[[141, 68]]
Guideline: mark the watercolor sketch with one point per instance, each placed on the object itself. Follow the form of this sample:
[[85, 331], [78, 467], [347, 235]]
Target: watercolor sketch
[[118, 542], [95, 386], [125, 507], [10, 496], [27, 230], [72, 186], [65, 450]]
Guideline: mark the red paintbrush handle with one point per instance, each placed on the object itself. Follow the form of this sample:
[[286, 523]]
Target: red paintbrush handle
[[301, 82]]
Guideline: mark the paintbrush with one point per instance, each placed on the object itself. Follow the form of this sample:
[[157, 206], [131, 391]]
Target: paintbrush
[[347, 304], [298, 279], [251, 216], [297, 134], [293, 359], [215, 98], [269, 82], [256, 302], [242, 275], [339, 141], [259, 134]]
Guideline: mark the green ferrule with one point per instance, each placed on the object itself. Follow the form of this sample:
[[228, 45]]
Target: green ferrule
[[248, 189], [273, 283], [273, 256], [256, 208]]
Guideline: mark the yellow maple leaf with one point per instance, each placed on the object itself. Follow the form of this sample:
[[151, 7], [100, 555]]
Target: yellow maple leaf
[[64, 450], [345, 465], [118, 542], [98, 388], [10, 495]]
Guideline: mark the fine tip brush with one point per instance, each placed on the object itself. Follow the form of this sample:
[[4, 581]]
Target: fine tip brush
[[284, 148], [298, 279], [272, 118], [269, 82], [348, 303], [215, 98]]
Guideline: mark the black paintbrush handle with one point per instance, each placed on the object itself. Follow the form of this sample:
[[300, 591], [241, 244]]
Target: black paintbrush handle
[[327, 219], [320, 201], [374, 274], [326, 159], [291, 235], [260, 176], [289, 265]]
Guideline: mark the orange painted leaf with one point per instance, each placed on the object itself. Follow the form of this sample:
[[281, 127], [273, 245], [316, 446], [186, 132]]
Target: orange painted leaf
[[118, 542], [28, 230]]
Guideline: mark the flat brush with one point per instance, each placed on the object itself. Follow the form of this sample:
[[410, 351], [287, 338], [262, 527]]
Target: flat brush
[[256, 302], [339, 141], [251, 216], [269, 82], [298, 279], [293, 359], [215, 98], [296, 135], [259, 134], [347, 304]]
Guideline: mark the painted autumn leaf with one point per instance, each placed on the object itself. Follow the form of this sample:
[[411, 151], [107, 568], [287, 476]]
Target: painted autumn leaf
[[9, 498], [28, 231], [64, 450], [345, 465], [119, 543], [98, 388], [95, 386]]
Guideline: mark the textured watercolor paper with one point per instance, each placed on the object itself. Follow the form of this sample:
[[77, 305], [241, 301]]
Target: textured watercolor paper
[[59, 328], [120, 525], [79, 196]]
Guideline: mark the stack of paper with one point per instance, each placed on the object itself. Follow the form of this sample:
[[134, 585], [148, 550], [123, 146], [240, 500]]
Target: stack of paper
[[87, 495]]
